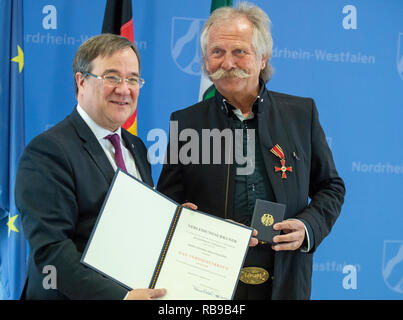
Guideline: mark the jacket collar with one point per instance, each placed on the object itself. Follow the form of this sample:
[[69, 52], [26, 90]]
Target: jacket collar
[[226, 107], [92, 146], [97, 154], [134, 147]]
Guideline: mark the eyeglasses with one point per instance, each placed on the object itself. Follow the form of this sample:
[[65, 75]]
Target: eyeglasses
[[112, 80]]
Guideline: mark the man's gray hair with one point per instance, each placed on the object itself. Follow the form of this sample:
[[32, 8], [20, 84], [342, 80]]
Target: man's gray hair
[[261, 39], [103, 45]]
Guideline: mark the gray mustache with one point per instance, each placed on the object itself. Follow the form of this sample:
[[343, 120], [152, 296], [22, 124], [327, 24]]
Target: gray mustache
[[234, 73]]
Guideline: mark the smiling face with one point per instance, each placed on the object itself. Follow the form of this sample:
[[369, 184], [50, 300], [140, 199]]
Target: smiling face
[[109, 106], [229, 47]]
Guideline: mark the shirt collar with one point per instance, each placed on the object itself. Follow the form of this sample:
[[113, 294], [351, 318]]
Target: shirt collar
[[97, 130], [226, 106], [240, 116]]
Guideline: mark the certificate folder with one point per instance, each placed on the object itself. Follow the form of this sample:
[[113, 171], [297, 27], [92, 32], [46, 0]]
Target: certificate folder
[[144, 239]]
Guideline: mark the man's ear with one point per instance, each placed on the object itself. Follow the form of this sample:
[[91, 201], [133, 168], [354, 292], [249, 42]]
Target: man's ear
[[263, 63], [79, 78]]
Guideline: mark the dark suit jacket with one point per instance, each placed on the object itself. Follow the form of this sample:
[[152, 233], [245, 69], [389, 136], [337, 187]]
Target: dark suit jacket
[[292, 122], [62, 180]]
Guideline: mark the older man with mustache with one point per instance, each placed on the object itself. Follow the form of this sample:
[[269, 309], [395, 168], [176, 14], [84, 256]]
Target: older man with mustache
[[283, 130]]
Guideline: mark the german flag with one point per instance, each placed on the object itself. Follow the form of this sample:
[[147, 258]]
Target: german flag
[[118, 19]]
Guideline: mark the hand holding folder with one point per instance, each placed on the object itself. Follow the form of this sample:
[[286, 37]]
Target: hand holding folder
[[192, 254]]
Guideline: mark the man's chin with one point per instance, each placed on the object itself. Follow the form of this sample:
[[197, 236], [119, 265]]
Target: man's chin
[[229, 85]]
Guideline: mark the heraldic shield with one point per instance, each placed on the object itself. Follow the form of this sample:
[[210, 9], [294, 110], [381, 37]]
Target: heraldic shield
[[392, 264], [185, 46]]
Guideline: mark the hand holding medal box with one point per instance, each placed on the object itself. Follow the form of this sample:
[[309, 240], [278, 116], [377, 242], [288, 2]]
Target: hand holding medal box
[[265, 215]]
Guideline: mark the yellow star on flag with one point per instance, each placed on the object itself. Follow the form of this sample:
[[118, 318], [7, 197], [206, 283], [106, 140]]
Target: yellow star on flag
[[19, 59], [10, 224]]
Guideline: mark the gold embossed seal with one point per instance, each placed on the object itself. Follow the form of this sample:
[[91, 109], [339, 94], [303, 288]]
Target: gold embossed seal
[[267, 219], [254, 275]]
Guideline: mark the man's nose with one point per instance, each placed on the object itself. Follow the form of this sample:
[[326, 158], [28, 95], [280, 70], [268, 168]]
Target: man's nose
[[123, 88], [228, 62]]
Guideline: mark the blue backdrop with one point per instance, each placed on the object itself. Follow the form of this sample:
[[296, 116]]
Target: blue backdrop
[[346, 54]]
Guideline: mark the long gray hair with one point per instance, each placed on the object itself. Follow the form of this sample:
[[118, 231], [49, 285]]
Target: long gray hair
[[261, 39]]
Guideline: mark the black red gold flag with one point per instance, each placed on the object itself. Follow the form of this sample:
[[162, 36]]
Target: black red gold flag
[[118, 19]]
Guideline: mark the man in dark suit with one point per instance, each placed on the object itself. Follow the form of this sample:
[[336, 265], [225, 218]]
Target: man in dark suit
[[64, 173], [291, 159]]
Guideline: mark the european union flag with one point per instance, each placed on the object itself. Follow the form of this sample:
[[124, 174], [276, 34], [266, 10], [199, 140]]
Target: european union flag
[[13, 247]]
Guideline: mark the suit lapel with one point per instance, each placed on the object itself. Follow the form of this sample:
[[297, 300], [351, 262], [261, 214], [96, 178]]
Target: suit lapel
[[271, 132], [92, 146], [141, 163]]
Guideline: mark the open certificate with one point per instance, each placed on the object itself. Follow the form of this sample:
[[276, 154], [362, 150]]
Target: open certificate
[[144, 239]]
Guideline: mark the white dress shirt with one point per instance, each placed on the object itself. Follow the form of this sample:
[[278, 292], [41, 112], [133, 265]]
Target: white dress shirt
[[107, 146]]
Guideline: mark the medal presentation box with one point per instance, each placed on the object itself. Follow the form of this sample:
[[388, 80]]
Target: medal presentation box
[[265, 215], [143, 239]]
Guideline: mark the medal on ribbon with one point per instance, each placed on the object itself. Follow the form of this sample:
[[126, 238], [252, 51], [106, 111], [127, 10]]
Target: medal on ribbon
[[278, 152]]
